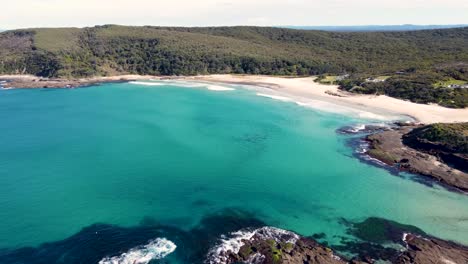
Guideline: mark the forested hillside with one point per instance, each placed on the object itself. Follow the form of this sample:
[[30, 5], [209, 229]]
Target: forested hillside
[[109, 50]]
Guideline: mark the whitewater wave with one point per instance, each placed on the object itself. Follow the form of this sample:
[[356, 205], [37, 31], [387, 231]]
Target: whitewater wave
[[330, 107], [357, 128], [219, 254], [147, 83], [219, 88], [276, 97], [155, 249], [184, 84], [210, 87]]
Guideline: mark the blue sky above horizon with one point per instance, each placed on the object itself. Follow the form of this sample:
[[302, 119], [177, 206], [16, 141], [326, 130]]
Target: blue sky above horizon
[[80, 13]]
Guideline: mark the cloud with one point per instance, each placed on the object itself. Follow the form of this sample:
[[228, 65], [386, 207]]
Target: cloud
[[37, 13]]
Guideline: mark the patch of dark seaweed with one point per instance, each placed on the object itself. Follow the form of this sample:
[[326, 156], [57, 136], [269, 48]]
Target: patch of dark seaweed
[[97, 241], [372, 235]]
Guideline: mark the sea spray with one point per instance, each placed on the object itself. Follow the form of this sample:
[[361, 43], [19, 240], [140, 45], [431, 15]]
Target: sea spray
[[234, 241]]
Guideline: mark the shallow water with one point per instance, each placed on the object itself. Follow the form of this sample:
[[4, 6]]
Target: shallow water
[[120, 154]]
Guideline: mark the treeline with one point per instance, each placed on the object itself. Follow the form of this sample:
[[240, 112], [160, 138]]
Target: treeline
[[111, 50], [251, 50], [415, 85]]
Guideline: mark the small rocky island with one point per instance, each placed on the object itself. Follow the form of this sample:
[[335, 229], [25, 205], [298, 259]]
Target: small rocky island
[[439, 151]]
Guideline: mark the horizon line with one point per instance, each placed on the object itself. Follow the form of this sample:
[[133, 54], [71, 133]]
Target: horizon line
[[247, 25]]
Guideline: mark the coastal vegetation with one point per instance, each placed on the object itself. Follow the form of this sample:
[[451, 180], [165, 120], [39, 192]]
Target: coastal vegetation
[[417, 85], [449, 142], [438, 151], [414, 65], [448, 137]]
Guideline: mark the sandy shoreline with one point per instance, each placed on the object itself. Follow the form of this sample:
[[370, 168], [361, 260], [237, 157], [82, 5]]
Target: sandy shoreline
[[304, 91], [308, 92]]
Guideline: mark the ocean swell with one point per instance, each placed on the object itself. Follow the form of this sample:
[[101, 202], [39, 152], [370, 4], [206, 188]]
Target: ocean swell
[[155, 249]]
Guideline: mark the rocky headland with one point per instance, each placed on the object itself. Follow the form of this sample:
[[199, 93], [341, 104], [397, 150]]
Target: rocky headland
[[406, 244], [438, 151], [30, 81], [431, 250]]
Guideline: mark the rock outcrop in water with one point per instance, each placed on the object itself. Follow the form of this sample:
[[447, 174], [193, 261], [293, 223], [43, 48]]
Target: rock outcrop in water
[[230, 237], [267, 251], [431, 250], [270, 245], [406, 150]]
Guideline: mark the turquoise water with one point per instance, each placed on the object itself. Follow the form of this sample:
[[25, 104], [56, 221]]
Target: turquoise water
[[120, 153]]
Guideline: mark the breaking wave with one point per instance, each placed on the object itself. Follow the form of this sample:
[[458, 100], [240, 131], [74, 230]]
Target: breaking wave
[[232, 243], [276, 97], [184, 84], [147, 83], [155, 249], [219, 88]]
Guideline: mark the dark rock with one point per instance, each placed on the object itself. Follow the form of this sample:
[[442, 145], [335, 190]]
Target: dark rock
[[362, 129], [379, 230], [390, 148], [319, 236], [275, 246], [431, 250]]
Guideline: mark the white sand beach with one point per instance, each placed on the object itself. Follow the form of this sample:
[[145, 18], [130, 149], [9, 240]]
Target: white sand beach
[[305, 92]]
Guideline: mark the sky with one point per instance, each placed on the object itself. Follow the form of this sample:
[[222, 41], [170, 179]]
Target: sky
[[80, 13]]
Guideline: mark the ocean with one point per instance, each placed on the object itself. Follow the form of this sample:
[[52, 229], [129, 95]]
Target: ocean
[[162, 170]]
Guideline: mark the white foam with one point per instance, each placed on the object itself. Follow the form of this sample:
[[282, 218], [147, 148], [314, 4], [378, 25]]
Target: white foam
[[323, 104], [184, 84], [405, 235], [210, 87], [301, 104], [219, 88], [276, 97], [357, 128], [220, 253], [155, 249], [147, 83]]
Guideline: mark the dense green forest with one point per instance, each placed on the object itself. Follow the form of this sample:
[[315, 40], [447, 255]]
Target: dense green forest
[[421, 58]]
